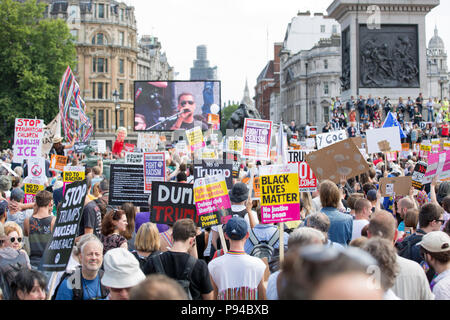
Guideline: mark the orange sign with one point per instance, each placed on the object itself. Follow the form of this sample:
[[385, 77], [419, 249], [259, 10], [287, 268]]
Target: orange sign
[[213, 118], [58, 162], [256, 188], [405, 146]]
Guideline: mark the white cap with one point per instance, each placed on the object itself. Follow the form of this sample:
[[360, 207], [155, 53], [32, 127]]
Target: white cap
[[436, 241]]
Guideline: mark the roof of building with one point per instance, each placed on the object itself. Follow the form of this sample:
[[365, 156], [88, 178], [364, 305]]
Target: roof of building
[[436, 41]]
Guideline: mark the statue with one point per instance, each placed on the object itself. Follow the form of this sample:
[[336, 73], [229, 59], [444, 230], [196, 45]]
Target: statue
[[238, 117]]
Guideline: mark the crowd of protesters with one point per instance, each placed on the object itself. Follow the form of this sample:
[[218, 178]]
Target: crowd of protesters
[[350, 242]]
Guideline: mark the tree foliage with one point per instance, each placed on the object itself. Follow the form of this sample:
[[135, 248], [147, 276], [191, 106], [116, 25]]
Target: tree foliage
[[226, 115], [34, 53]]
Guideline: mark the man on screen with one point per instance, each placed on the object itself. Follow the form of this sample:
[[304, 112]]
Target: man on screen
[[185, 120]]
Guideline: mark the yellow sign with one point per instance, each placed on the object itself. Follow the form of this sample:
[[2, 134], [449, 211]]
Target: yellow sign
[[235, 144], [195, 138], [424, 147], [213, 190], [31, 188], [72, 176]]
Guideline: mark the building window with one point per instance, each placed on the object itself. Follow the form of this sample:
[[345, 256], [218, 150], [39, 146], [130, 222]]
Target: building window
[[99, 90], [325, 88], [101, 10], [101, 119], [121, 91], [132, 68], [93, 90], [325, 64], [121, 118], [121, 63], [99, 39], [122, 15], [121, 38], [74, 34], [334, 28], [107, 119], [322, 28], [99, 65], [326, 114]]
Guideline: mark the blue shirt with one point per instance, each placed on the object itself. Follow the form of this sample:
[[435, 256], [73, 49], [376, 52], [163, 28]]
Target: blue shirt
[[341, 226], [264, 232], [91, 289]]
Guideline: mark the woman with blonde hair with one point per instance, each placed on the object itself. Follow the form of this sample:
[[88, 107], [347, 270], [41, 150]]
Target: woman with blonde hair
[[147, 243]]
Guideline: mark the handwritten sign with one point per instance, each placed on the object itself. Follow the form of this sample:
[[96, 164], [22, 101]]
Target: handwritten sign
[[28, 134]]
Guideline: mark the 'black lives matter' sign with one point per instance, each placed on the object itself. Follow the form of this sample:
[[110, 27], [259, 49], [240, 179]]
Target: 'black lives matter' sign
[[58, 250], [171, 202]]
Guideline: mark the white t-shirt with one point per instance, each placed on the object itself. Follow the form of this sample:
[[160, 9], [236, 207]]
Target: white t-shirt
[[237, 275], [441, 289], [272, 290], [358, 225]]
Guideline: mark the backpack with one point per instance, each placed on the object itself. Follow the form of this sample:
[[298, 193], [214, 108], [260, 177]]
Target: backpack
[[185, 280], [8, 271], [409, 249], [263, 249], [78, 292], [143, 260]]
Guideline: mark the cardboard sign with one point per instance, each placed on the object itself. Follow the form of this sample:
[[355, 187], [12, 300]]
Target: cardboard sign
[[79, 147], [212, 201], [36, 169], [307, 180], [337, 160], [74, 113], [147, 142], [154, 169], [280, 199], [195, 138], [28, 135], [171, 202], [401, 186], [418, 174], [234, 145], [257, 139], [327, 139], [359, 142], [99, 145], [438, 164], [214, 168], [58, 162], [134, 158], [49, 132], [59, 248], [128, 147], [390, 137], [126, 184], [391, 156], [31, 189]]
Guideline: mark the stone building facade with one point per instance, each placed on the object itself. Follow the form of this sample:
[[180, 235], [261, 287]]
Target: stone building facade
[[109, 59]]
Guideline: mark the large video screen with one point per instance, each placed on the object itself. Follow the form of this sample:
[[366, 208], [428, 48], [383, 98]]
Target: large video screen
[[175, 105]]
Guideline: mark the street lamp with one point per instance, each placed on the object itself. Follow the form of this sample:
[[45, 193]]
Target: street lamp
[[117, 105]]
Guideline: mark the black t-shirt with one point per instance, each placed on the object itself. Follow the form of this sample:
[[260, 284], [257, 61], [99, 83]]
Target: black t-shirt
[[92, 218], [174, 264]]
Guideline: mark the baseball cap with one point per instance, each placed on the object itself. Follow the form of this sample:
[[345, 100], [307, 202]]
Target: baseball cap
[[436, 241], [236, 228], [238, 193]]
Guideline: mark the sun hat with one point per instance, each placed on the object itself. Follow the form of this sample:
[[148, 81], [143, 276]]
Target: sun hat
[[435, 241], [239, 192], [121, 269], [57, 139]]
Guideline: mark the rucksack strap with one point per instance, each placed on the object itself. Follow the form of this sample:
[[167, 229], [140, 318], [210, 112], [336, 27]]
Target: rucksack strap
[[157, 263], [189, 268], [274, 238], [253, 238]]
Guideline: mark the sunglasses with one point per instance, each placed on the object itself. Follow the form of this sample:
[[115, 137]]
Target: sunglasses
[[13, 239], [183, 103]]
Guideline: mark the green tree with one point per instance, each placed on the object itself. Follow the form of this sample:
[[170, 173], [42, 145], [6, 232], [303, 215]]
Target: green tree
[[226, 115], [34, 53]]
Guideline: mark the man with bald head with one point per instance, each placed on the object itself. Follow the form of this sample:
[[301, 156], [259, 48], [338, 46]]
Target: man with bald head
[[411, 283], [403, 205]]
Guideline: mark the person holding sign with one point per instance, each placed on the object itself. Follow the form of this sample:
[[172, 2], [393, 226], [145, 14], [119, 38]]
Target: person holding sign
[[58, 148]]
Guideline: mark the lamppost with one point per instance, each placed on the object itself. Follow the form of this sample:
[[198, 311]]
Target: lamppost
[[117, 105]]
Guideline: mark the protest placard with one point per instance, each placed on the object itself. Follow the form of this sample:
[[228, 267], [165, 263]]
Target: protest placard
[[59, 248], [28, 135], [377, 137], [402, 185], [257, 139], [214, 119], [212, 201], [48, 133], [128, 147], [235, 160], [147, 142], [280, 199], [99, 145], [391, 156], [438, 164], [36, 169], [172, 201], [307, 180], [58, 162], [256, 190], [31, 188], [79, 147], [234, 145], [337, 160], [213, 168], [418, 174], [74, 113], [154, 169], [208, 154], [405, 146], [312, 131], [126, 184], [72, 174], [327, 139], [195, 138], [446, 145], [134, 158]]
